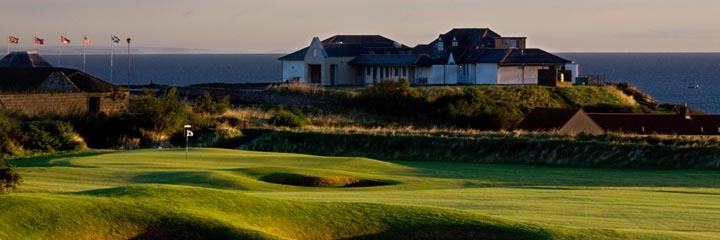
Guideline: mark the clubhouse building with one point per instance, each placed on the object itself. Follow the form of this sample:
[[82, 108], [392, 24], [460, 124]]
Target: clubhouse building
[[461, 56]]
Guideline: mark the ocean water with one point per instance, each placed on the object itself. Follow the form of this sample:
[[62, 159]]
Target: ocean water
[[665, 76], [177, 69]]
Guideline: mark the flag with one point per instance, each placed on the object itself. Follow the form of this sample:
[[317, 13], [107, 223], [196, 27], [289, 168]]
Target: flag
[[115, 39], [189, 133], [38, 40], [64, 40], [86, 40], [13, 40]]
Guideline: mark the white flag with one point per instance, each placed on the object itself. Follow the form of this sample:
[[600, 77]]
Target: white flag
[[189, 133]]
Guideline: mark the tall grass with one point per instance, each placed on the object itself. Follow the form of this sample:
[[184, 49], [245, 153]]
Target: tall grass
[[609, 150]]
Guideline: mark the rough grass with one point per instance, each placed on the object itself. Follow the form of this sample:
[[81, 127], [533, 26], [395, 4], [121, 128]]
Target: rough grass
[[219, 194], [609, 150]]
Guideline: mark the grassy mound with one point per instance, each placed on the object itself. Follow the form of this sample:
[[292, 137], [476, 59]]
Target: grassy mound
[[172, 212], [151, 194], [313, 181]]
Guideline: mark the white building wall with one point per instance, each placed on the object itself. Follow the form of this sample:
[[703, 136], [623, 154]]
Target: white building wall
[[531, 74], [437, 74], [451, 74], [486, 73], [466, 74], [292, 70], [519, 75], [424, 73], [510, 75], [575, 68]]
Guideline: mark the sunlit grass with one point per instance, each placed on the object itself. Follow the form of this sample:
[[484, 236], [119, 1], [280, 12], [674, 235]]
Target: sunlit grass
[[146, 192]]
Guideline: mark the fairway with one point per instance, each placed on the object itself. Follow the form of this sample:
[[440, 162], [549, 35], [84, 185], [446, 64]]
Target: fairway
[[241, 194]]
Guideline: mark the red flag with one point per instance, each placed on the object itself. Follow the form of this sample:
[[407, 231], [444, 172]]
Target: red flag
[[13, 40], [38, 40], [86, 40], [64, 40]]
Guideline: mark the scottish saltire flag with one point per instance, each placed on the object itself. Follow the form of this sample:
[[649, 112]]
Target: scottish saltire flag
[[38, 40], [13, 40], [115, 39], [189, 133], [86, 40], [64, 40]]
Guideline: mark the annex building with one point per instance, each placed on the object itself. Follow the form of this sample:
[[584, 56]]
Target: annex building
[[460, 56], [30, 85]]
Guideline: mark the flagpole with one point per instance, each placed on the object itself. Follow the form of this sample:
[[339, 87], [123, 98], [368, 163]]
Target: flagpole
[[59, 51], [111, 59], [33, 47], [84, 46], [128, 79]]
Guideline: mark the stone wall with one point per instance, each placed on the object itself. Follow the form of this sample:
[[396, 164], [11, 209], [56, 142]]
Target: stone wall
[[62, 103]]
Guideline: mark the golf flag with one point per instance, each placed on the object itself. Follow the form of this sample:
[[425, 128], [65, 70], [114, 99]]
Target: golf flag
[[189, 133], [38, 40], [13, 40], [115, 39], [86, 40], [64, 40]]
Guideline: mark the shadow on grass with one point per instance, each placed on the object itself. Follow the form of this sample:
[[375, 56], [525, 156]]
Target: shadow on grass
[[197, 179], [56, 160], [453, 232], [323, 182]]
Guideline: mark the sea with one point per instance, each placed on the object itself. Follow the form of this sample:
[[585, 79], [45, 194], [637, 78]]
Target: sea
[[692, 78]]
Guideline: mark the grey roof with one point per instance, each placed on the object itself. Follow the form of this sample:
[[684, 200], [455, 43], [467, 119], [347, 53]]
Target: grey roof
[[24, 60], [32, 79], [28, 72], [298, 55], [353, 46], [393, 60], [547, 119], [475, 45]]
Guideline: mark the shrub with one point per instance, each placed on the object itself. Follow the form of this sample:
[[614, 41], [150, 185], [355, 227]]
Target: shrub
[[283, 118], [9, 130], [205, 103], [50, 136], [9, 177], [391, 97], [164, 113]]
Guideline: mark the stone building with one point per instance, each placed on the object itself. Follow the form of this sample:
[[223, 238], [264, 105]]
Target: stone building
[[30, 85]]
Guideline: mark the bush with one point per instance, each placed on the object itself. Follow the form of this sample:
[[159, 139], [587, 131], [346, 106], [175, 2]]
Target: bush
[[157, 117], [205, 103], [50, 136], [393, 98], [9, 130], [9, 177], [283, 118], [474, 109]]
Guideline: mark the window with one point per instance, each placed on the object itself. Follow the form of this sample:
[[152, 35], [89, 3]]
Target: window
[[404, 71], [368, 70], [396, 71], [512, 44]]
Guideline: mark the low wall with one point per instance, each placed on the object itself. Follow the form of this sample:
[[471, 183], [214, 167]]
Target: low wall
[[62, 103]]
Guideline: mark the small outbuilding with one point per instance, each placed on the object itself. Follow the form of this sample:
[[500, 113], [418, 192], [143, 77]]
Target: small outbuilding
[[560, 120], [32, 86]]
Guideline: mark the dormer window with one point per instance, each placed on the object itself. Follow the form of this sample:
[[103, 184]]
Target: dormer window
[[454, 42], [440, 45]]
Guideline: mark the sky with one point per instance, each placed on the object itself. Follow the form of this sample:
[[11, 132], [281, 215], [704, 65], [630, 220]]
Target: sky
[[282, 26]]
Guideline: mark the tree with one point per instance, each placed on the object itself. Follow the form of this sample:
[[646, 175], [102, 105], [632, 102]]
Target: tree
[[9, 177]]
